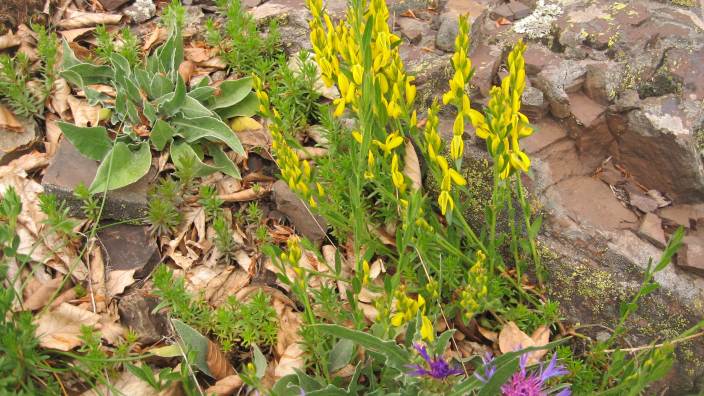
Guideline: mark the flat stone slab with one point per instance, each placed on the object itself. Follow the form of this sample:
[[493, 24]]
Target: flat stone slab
[[13, 143], [69, 168], [127, 247]]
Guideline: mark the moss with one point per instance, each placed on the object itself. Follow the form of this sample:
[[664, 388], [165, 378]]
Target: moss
[[684, 3]]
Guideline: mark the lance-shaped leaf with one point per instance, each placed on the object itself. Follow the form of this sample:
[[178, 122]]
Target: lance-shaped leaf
[[222, 161], [122, 167], [210, 128], [232, 92], [92, 142], [161, 134], [245, 108], [175, 100], [184, 156]]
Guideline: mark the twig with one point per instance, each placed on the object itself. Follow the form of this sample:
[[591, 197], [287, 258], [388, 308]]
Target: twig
[[644, 347]]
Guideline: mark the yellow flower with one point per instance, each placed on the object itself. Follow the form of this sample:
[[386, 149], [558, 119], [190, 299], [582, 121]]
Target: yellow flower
[[410, 90], [357, 74], [445, 201], [397, 177], [357, 136], [426, 329], [456, 147], [392, 141], [365, 272]]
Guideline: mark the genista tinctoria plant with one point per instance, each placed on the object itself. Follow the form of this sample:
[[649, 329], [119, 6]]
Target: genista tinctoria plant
[[154, 110]]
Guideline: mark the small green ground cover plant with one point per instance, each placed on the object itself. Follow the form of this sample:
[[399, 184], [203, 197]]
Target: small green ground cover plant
[[24, 85], [154, 110]]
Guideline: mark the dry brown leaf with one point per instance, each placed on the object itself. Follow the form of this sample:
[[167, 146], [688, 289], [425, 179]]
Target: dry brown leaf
[[61, 328], [488, 334], [157, 36], [111, 331], [215, 62], [53, 135], [8, 121], [226, 386], [229, 282], [119, 280], [41, 296], [129, 384], [411, 167], [197, 54], [255, 138], [9, 40], [512, 339], [311, 152], [79, 19], [73, 34], [249, 194], [243, 259], [370, 312], [59, 97], [97, 289], [541, 336], [83, 113], [291, 359], [185, 70], [218, 364]]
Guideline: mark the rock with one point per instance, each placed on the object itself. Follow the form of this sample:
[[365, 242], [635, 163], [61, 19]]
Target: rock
[[586, 112], [111, 5], [432, 72], [519, 10], [485, 60], [659, 148], [684, 215], [644, 203], [287, 202], [135, 311], [141, 11], [651, 229], [589, 202], [502, 11], [398, 7], [445, 39], [537, 57], [691, 255], [534, 105], [13, 144], [412, 29], [556, 81], [602, 80], [69, 168], [127, 247], [546, 132]]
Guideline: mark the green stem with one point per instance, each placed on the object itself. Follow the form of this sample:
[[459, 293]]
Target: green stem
[[531, 239]]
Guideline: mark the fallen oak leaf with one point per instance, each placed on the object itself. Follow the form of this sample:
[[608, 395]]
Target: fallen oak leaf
[[512, 339], [118, 281], [60, 328], [41, 296], [218, 363], [291, 360], [9, 40], [249, 194], [411, 166], [80, 19], [225, 386], [8, 121], [72, 34], [540, 337]]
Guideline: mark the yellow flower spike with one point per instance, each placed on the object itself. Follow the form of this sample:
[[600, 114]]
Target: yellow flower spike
[[414, 119], [340, 108], [427, 332], [445, 201], [397, 177], [357, 136], [457, 178], [456, 147], [306, 169], [410, 91], [365, 272], [421, 301], [357, 74], [321, 191], [392, 141], [370, 159], [397, 319], [458, 125]]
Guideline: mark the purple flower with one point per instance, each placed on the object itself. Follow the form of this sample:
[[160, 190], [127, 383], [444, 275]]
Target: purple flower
[[489, 368], [524, 383], [438, 368]]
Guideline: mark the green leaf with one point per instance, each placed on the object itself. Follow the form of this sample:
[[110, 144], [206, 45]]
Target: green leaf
[[161, 134], [246, 108], [193, 108], [223, 162], [170, 106], [69, 58], [171, 53], [395, 355], [340, 354], [232, 92], [196, 342], [210, 128], [85, 73], [502, 374], [92, 142], [168, 351], [259, 361], [182, 152], [160, 86], [202, 94], [122, 167]]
